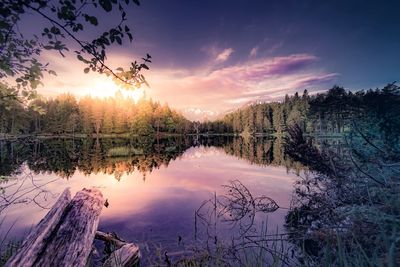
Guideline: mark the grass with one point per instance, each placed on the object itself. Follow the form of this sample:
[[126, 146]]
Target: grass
[[268, 250], [124, 152], [348, 208], [8, 247], [7, 250]]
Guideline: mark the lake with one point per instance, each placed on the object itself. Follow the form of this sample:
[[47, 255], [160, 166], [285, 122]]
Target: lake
[[155, 187]]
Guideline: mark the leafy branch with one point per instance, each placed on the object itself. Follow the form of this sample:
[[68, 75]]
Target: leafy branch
[[66, 18]]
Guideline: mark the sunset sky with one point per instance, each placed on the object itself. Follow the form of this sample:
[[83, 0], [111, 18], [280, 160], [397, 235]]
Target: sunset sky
[[210, 57]]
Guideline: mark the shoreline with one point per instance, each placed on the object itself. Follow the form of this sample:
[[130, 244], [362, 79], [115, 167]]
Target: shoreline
[[9, 137]]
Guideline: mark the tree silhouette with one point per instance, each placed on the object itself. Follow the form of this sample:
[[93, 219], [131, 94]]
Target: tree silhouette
[[67, 21]]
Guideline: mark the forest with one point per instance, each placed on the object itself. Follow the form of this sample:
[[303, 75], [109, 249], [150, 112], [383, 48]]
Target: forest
[[329, 113], [66, 114]]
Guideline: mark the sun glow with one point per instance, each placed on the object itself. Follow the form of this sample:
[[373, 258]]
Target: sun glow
[[104, 88]]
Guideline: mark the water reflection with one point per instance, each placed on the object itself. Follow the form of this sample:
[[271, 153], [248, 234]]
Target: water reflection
[[123, 156], [109, 156], [154, 186]]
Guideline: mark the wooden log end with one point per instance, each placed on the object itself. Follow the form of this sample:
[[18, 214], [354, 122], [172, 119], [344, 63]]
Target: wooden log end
[[127, 256]]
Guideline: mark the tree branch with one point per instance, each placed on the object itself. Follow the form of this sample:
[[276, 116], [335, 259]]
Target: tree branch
[[81, 43]]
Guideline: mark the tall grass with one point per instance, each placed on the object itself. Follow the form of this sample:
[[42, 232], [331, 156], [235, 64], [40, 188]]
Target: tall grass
[[8, 247], [347, 210]]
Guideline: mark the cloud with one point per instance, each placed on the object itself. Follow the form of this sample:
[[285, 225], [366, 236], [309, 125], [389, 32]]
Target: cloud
[[253, 51], [206, 91], [224, 55], [199, 114], [226, 88], [275, 46]]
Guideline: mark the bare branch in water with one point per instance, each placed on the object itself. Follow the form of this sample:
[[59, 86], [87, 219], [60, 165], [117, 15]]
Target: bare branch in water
[[25, 189]]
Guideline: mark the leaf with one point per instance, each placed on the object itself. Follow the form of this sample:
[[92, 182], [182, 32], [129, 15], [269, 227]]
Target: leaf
[[106, 5], [136, 2], [92, 19], [130, 36], [86, 70], [144, 66], [55, 30]]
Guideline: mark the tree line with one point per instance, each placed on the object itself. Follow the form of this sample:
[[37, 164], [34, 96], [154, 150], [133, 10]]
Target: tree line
[[330, 112], [91, 116]]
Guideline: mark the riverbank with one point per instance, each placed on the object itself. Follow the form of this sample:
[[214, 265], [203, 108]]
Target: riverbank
[[121, 135], [10, 137]]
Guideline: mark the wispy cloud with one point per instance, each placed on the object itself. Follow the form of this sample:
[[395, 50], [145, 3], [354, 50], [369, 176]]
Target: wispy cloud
[[217, 54], [224, 55], [254, 51], [225, 88]]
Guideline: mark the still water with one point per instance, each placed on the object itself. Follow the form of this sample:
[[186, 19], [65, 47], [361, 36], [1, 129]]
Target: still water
[[153, 186]]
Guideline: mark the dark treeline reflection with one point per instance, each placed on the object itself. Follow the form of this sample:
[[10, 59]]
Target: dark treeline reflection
[[123, 156], [111, 156]]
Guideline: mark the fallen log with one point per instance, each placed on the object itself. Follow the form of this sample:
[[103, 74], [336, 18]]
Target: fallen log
[[35, 242], [127, 256], [65, 235], [72, 243], [111, 239]]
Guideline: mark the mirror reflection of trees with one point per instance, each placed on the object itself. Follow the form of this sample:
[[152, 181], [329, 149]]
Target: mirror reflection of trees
[[111, 156], [119, 156], [261, 151]]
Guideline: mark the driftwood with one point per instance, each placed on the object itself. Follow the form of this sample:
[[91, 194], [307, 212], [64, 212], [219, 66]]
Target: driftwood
[[64, 237], [35, 244], [124, 254], [72, 242]]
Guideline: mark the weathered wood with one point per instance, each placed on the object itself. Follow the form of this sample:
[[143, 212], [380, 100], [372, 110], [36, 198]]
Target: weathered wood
[[110, 238], [35, 242], [127, 256], [68, 241], [72, 242]]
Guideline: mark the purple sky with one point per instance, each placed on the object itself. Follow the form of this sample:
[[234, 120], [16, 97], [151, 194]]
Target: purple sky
[[210, 57]]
